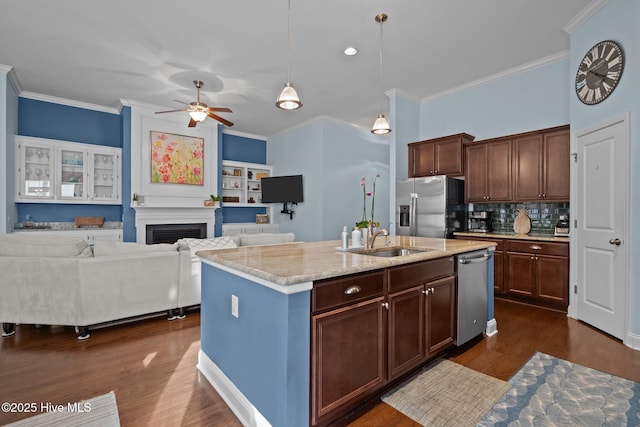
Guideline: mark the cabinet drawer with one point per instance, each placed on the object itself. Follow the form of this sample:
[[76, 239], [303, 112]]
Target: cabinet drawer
[[414, 274], [346, 290], [538, 247]]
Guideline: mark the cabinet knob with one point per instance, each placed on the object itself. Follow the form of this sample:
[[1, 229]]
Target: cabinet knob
[[351, 290], [544, 195], [385, 305]]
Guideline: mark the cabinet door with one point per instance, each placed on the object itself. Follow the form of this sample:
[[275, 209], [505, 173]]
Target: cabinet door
[[71, 172], [105, 165], [520, 274], [448, 157], [406, 330], [347, 357], [421, 159], [498, 170], [475, 183], [498, 272], [553, 278], [527, 155], [556, 166], [35, 171], [440, 312]]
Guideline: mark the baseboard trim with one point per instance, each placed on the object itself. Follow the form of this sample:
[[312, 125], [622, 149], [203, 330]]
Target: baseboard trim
[[237, 402], [492, 328], [632, 341]]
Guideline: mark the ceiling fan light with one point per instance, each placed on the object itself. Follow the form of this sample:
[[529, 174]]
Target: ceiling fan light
[[288, 98], [381, 126], [198, 116]]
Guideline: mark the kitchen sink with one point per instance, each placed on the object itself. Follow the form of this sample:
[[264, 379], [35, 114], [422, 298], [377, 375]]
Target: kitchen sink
[[392, 252]]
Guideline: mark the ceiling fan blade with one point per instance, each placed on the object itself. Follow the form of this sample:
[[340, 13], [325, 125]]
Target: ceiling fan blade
[[181, 102], [169, 111], [220, 119], [223, 109], [192, 123]]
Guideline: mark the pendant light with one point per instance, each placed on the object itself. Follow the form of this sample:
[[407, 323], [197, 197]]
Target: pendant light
[[381, 125], [288, 98]]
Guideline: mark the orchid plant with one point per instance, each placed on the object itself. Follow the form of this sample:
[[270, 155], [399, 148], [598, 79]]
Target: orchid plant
[[365, 222]]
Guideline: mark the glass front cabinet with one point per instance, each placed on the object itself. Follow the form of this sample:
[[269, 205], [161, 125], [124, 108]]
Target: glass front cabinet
[[66, 172]]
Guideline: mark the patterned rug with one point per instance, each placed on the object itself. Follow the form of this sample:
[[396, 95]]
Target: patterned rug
[[548, 391], [100, 411]]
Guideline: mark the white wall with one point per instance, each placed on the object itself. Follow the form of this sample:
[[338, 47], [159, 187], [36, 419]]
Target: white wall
[[618, 20], [332, 157]]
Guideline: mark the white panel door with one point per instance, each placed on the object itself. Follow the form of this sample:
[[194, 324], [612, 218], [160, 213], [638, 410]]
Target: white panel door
[[602, 215]]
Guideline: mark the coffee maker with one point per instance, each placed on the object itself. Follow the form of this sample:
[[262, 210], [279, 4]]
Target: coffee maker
[[479, 222]]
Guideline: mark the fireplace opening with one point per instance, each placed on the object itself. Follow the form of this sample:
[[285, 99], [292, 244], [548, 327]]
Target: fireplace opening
[[170, 233]]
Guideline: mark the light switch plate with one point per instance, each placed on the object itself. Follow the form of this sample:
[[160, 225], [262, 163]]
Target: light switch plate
[[234, 306]]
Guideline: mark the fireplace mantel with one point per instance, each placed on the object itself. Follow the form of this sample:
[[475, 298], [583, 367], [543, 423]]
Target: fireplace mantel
[[147, 215]]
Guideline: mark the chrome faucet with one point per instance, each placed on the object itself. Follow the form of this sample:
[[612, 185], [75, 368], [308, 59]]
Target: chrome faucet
[[374, 235]]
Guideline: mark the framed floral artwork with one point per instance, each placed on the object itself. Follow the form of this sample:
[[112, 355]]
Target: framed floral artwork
[[176, 159]]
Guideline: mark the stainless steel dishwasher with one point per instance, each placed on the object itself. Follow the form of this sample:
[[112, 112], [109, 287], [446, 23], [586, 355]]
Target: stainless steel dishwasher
[[472, 268]]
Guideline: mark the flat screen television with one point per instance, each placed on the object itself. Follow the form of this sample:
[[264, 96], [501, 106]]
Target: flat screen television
[[282, 189]]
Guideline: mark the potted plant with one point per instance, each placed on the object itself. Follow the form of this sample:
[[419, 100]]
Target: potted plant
[[216, 201], [134, 199]]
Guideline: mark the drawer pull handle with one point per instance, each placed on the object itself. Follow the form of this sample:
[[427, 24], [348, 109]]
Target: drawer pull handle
[[352, 290], [535, 247]]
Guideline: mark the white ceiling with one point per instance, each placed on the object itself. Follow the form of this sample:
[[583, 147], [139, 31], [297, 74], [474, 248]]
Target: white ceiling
[[151, 50]]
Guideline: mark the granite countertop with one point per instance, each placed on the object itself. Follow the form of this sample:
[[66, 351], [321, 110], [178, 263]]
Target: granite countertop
[[299, 262], [540, 237], [64, 226]]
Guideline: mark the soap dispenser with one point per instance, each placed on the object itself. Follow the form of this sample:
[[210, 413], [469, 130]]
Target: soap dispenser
[[356, 235], [345, 238]]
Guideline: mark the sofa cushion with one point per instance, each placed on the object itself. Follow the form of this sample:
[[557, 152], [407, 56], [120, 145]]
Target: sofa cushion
[[195, 245], [266, 239], [32, 245], [105, 248]]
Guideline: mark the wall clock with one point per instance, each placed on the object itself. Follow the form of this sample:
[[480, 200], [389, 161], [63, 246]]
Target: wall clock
[[599, 72]]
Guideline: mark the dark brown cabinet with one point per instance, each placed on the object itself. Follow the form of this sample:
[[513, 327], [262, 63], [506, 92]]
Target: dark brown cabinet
[[369, 329], [421, 317], [348, 343], [440, 156], [488, 172], [538, 271], [541, 166]]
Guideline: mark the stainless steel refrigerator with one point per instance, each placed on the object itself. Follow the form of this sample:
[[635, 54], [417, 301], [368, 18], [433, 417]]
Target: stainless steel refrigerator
[[430, 207]]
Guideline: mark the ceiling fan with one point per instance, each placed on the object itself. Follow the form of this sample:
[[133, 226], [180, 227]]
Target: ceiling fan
[[198, 111]]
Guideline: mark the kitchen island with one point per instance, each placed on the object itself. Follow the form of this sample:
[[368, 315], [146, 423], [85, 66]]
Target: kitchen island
[[256, 331]]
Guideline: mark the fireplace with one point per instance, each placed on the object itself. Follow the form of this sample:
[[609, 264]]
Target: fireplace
[[170, 233], [183, 221]]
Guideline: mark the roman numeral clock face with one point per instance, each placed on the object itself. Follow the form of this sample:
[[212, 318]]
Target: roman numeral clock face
[[599, 72]]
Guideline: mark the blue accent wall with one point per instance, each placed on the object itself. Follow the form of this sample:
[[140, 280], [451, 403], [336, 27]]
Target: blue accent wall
[[55, 121], [240, 149], [61, 122], [265, 351], [243, 149]]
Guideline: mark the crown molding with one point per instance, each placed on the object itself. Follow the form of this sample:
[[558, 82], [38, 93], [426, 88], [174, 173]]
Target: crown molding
[[501, 75], [69, 102], [584, 15], [402, 94]]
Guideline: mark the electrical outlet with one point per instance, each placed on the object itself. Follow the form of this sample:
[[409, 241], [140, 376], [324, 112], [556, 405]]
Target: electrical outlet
[[234, 306]]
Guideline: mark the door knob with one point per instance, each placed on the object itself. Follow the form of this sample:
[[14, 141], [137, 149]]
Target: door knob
[[616, 242]]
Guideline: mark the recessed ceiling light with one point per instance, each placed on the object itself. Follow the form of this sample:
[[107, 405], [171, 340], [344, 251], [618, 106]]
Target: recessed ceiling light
[[350, 51]]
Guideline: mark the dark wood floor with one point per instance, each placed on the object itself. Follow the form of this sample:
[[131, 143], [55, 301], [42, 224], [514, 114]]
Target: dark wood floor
[[151, 365]]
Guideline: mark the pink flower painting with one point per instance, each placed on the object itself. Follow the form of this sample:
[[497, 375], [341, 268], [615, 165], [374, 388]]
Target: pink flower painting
[[176, 159]]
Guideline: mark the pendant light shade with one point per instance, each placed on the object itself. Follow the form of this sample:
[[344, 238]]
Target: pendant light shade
[[381, 125], [288, 98]]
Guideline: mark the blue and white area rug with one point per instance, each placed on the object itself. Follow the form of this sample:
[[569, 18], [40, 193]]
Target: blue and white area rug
[[548, 391]]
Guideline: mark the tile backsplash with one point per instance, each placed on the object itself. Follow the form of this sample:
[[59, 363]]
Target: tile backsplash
[[544, 216]]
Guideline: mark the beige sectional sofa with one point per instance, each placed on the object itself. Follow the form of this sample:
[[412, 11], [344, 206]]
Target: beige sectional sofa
[[62, 281], [50, 280]]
